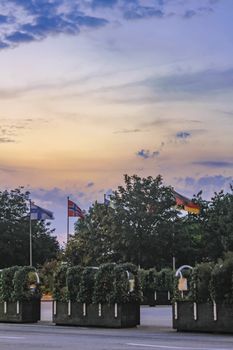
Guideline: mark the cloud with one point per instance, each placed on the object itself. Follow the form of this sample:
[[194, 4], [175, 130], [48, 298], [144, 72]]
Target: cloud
[[90, 184], [55, 195], [183, 135], [6, 140], [32, 20], [195, 83], [127, 131], [29, 20], [214, 164], [146, 154], [208, 184]]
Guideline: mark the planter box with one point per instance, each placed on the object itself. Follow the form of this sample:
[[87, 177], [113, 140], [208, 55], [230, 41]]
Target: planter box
[[96, 315], [20, 312], [205, 317], [153, 298]]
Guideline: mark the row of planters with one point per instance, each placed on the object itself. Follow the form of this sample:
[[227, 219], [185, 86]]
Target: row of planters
[[208, 305], [157, 286], [19, 295], [108, 296]]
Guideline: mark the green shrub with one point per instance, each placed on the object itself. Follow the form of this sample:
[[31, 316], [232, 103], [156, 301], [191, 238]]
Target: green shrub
[[165, 280], [136, 294], [73, 279], [200, 282], [87, 285], [221, 283], [121, 288], [7, 286], [60, 291], [104, 281], [23, 280]]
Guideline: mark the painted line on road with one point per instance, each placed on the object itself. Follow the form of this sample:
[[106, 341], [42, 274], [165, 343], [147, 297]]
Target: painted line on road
[[156, 346], [5, 337]]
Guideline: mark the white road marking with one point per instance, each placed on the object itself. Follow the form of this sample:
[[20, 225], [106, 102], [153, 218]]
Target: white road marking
[[171, 347], [4, 337]]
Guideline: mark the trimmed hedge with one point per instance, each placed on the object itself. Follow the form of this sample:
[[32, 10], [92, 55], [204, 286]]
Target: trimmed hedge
[[159, 281], [210, 282], [15, 284], [110, 283]]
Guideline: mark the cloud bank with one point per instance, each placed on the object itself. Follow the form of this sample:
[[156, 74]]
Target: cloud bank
[[23, 21]]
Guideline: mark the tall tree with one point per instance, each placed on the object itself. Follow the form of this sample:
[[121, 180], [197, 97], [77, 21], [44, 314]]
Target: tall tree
[[139, 229], [14, 232]]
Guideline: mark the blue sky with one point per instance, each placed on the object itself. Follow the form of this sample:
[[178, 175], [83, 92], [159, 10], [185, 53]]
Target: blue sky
[[93, 89]]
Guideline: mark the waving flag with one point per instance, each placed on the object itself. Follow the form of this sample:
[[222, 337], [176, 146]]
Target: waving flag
[[186, 204], [74, 210], [38, 213]]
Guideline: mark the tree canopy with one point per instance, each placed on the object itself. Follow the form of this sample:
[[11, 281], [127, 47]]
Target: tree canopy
[[143, 226], [14, 232]]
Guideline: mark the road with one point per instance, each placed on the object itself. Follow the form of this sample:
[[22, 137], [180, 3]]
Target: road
[[155, 332]]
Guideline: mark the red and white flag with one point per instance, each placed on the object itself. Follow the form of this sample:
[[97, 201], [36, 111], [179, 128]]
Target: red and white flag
[[74, 210]]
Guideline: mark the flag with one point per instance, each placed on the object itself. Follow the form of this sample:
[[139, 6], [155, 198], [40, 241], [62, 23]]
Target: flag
[[38, 213], [74, 210], [186, 204]]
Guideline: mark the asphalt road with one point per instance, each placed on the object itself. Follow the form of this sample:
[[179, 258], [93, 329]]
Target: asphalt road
[[155, 332]]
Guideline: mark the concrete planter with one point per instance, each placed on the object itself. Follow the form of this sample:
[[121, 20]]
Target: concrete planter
[[153, 298], [20, 312], [96, 315], [206, 317]]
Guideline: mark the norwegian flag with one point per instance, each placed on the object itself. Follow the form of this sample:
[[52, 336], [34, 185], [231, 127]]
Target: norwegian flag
[[74, 210]]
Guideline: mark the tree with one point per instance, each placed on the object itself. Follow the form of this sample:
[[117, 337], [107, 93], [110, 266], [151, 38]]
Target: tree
[[139, 229], [14, 232]]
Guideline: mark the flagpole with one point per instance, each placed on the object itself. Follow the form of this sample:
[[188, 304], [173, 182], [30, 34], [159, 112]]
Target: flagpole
[[30, 234], [67, 239]]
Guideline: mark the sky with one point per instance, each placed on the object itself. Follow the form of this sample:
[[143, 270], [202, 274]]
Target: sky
[[91, 90]]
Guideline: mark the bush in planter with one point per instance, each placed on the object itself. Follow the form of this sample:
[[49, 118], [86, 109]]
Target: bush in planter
[[136, 293], [7, 286], [24, 279], [200, 282], [87, 283], [165, 280], [104, 280], [121, 289], [73, 279], [60, 291], [221, 283]]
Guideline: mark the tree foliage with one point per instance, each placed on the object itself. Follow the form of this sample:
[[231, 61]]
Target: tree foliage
[[143, 227], [14, 232]]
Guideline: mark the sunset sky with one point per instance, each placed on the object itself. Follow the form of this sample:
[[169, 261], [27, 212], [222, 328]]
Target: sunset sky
[[93, 89]]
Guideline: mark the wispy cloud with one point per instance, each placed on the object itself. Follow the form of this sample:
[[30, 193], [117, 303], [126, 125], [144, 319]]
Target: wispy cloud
[[127, 131], [183, 135], [205, 82], [90, 184], [214, 164]]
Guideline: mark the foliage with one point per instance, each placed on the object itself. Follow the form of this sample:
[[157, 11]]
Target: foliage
[[46, 273], [7, 286], [165, 280], [25, 285], [87, 284], [73, 280], [142, 220], [221, 283], [200, 282], [14, 232], [104, 281], [60, 291]]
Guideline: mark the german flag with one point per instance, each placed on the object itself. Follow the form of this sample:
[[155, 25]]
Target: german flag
[[186, 204]]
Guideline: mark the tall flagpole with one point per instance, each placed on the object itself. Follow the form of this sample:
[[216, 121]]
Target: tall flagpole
[[67, 239], [30, 234]]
